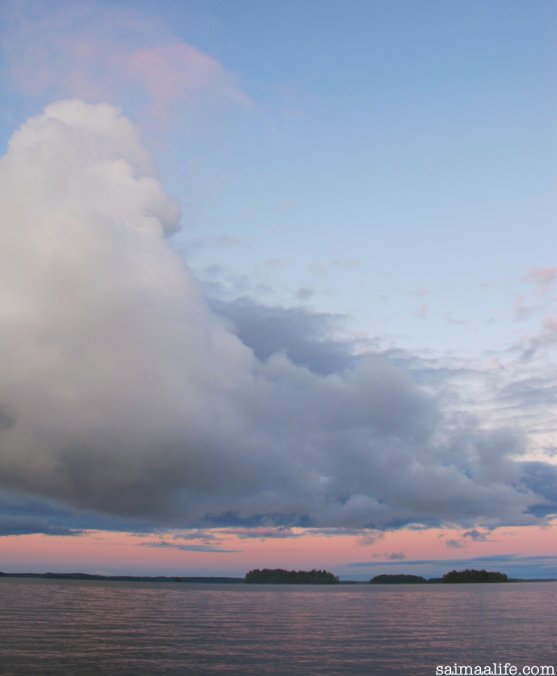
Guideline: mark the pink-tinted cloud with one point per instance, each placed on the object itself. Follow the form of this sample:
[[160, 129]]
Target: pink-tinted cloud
[[543, 278], [421, 311], [178, 73], [105, 53], [550, 324]]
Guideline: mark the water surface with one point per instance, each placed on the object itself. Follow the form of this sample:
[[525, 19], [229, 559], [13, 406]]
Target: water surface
[[75, 627]]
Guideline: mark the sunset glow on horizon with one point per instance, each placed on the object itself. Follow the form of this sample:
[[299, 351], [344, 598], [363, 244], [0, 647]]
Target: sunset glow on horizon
[[429, 553]]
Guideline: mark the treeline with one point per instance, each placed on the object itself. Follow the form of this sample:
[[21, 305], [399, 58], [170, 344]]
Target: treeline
[[125, 578], [398, 579], [458, 576], [470, 575], [280, 576]]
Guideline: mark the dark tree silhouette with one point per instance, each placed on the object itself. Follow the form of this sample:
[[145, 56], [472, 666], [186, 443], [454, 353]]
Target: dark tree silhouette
[[280, 576], [470, 575], [398, 579]]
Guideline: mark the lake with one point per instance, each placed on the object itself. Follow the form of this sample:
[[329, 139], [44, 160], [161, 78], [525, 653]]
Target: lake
[[74, 627]]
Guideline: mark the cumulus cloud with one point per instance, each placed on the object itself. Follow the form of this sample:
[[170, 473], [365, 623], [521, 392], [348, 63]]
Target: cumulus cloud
[[99, 313], [122, 393]]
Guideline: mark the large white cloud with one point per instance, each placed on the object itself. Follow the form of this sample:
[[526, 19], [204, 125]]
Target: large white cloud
[[121, 393]]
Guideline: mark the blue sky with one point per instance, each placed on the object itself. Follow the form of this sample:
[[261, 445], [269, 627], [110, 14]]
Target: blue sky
[[393, 149], [367, 207]]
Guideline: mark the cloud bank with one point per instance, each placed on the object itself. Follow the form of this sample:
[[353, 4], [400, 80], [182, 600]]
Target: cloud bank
[[122, 393]]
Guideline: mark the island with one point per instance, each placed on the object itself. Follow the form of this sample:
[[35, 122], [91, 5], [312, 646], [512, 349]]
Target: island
[[455, 576], [398, 579], [470, 575], [280, 576]]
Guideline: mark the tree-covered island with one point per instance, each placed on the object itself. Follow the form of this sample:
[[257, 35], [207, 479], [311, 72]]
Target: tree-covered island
[[280, 576], [470, 575], [398, 579], [455, 576]]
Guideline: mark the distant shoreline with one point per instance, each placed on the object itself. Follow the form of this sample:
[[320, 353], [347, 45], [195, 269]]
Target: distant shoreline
[[200, 579], [126, 578]]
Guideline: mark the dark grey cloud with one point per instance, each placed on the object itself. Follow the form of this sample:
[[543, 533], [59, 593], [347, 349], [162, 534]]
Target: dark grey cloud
[[50, 515], [27, 525]]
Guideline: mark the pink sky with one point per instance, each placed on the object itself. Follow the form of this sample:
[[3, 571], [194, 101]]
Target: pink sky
[[120, 553]]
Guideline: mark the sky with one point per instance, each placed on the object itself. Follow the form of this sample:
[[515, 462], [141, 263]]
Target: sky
[[277, 286]]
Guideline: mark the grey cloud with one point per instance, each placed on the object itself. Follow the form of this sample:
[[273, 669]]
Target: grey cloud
[[541, 343], [203, 535], [304, 293], [6, 420], [396, 556], [541, 478], [212, 549], [48, 514], [476, 535], [532, 391], [369, 537], [132, 401], [366, 535], [303, 336], [262, 533], [26, 525]]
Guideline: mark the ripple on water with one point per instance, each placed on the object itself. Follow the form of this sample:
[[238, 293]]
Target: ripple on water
[[73, 627]]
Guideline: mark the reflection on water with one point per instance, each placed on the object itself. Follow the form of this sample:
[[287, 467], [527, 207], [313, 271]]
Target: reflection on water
[[74, 627]]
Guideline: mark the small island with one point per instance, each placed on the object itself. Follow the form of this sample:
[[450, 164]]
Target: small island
[[455, 576], [398, 579], [470, 575], [280, 576]]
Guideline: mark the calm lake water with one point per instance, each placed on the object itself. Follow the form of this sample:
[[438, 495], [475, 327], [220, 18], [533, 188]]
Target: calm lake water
[[73, 627]]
